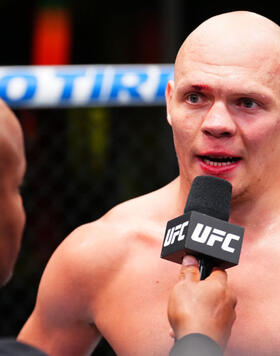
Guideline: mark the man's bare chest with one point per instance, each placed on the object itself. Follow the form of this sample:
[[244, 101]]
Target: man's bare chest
[[256, 282], [132, 315], [132, 312]]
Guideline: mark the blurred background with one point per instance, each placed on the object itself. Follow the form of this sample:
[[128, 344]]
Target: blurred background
[[83, 161]]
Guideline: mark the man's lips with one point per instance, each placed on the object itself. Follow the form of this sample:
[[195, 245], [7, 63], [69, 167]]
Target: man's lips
[[219, 160], [218, 164]]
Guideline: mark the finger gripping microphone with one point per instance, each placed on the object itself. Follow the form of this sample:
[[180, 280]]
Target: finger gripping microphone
[[204, 231]]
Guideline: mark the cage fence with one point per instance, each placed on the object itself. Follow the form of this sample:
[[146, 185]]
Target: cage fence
[[80, 163]]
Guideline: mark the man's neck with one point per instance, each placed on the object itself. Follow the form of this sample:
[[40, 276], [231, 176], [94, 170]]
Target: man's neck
[[257, 214]]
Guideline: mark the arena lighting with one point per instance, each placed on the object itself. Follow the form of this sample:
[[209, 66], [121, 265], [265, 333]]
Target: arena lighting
[[84, 85]]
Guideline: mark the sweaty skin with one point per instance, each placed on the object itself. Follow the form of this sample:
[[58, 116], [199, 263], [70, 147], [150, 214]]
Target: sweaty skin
[[107, 278]]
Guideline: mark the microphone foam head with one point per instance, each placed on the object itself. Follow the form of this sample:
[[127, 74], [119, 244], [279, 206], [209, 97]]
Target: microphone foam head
[[211, 196]]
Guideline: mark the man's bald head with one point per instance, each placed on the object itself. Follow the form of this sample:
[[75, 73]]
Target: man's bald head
[[12, 169], [232, 38], [11, 136]]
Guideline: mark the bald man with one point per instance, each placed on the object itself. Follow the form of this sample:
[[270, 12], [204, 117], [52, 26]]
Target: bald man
[[12, 214], [106, 278]]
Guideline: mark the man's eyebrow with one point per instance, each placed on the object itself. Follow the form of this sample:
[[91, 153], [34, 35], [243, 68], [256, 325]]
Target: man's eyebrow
[[200, 87]]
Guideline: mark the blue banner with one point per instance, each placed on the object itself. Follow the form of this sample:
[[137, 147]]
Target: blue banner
[[84, 85]]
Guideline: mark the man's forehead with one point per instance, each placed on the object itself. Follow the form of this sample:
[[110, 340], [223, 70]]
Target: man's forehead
[[229, 66], [228, 81]]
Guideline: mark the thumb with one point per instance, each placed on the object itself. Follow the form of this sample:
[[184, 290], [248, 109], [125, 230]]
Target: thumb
[[190, 269]]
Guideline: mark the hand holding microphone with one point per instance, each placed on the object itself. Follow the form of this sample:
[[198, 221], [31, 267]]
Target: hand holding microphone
[[206, 307], [201, 313]]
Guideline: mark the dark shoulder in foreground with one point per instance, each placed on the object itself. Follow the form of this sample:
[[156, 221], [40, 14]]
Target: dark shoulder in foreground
[[11, 347]]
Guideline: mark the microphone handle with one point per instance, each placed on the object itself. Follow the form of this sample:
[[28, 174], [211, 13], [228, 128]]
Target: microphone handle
[[205, 266]]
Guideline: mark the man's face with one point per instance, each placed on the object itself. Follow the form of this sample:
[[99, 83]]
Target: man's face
[[225, 116], [12, 214]]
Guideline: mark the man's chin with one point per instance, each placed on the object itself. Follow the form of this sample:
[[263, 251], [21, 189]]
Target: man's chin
[[240, 195]]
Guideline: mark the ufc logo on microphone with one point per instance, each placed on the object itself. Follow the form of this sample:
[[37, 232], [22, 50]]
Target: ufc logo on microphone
[[209, 235], [175, 233]]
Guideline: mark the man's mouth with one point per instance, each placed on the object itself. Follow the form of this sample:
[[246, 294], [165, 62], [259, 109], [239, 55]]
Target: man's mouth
[[221, 161]]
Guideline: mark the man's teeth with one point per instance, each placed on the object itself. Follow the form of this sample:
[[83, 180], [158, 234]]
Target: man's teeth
[[217, 164]]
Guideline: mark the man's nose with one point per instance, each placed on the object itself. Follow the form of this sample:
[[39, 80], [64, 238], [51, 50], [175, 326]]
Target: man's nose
[[218, 122]]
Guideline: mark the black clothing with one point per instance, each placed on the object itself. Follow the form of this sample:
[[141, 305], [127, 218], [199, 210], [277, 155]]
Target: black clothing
[[195, 345], [11, 347]]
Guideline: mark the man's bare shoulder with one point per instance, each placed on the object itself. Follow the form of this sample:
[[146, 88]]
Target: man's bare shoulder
[[152, 206], [88, 266], [112, 234], [112, 239]]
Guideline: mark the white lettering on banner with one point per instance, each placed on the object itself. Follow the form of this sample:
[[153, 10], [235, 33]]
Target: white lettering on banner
[[84, 85]]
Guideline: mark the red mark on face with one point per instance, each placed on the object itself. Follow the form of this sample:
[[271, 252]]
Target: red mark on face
[[200, 87]]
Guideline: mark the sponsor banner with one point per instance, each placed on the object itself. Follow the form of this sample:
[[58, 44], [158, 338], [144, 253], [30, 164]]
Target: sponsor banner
[[84, 85]]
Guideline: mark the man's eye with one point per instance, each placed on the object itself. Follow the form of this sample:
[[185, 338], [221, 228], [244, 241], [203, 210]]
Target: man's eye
[[193, 98], [247, 103]]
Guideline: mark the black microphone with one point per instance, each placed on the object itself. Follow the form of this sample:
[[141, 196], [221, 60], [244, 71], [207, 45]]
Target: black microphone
[[203, 231]]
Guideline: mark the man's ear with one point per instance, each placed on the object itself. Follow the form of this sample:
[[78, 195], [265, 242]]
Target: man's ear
[[168, 97]]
